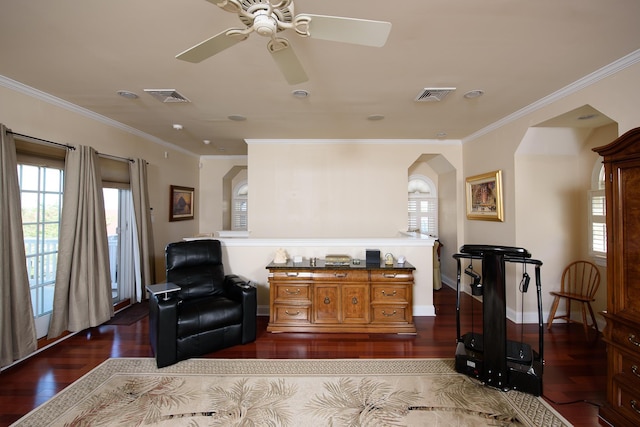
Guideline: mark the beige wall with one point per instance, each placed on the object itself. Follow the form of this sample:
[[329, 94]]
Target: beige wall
[[321, 189], [303, 189], [554, 236], [551, 199], [30, 116]]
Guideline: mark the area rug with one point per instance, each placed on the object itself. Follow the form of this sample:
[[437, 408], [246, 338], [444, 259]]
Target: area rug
[[260, 392]]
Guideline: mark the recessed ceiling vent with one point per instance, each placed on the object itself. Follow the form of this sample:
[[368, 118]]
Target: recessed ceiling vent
[[166, 95], [433, 94]]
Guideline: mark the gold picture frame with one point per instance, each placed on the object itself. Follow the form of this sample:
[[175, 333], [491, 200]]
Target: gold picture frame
[[181, 203], [484, 197]]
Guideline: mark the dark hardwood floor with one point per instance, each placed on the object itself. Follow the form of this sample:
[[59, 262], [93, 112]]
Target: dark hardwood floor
[[574, 367]]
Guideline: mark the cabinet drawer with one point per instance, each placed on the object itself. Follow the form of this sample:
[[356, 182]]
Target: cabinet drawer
[[291, 291], [341, 276], [291, 314], [389, 293], [630, 368], [391, 276], [389, 314], [626, 336], [627, 401], [285, 275]]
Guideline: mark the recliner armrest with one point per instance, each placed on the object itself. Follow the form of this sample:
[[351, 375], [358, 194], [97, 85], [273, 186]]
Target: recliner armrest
[[243, 291], [237, 288], [163, 316]]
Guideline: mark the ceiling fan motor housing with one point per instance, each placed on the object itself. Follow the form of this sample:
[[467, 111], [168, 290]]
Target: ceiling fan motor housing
[[265, 25]]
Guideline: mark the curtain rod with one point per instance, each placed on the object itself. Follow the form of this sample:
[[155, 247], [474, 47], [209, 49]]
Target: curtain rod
[[67, 146], [111, 156]]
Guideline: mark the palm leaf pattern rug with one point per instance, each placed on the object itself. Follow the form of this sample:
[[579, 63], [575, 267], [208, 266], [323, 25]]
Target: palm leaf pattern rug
[[281, 393]]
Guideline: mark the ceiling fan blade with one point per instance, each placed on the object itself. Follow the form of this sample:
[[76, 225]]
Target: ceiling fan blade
[[287, 61], [348, 30], [210, 47]]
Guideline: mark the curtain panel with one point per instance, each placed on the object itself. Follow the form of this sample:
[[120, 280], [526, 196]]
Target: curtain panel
[[145, 259], [17, 327], [82, 296]]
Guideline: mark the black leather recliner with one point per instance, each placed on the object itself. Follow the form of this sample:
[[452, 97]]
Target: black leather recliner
[[210, 312]]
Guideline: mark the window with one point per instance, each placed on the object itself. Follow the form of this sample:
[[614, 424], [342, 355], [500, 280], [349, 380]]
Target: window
[[240, 212], [597, 215], [422, 206], [41, 198], [118, 209]]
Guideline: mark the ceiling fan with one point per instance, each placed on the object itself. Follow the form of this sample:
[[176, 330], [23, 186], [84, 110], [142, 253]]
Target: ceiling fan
[[268, 18]]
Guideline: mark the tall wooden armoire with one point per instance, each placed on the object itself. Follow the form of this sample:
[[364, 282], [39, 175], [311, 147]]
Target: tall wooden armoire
[[622, 333]]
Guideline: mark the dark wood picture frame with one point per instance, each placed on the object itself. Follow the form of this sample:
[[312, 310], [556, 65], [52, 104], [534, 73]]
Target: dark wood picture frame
[[181, 203]]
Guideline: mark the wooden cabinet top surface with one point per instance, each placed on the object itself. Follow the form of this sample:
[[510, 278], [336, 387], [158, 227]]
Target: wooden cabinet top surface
[[320, 265]]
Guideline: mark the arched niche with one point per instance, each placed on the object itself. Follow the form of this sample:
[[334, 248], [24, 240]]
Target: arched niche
[[231, 180]]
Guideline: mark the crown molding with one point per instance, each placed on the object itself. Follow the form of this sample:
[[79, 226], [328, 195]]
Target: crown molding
[[257, 141], [604, 72], [58, 102], [223, 157]]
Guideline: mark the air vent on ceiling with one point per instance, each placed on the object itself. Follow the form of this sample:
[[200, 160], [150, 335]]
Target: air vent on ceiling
[[433, 94], [167, 95]]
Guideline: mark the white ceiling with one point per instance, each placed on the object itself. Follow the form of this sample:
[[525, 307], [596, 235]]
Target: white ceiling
[[517, 52]]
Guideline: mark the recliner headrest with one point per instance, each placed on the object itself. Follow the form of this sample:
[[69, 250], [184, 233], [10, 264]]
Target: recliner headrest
[[193, 253]]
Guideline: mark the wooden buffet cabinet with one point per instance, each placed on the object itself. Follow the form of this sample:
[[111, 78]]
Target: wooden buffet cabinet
[[622, 333], [354, 298]]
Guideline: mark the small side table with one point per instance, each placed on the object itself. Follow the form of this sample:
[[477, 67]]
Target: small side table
[[163, 289]]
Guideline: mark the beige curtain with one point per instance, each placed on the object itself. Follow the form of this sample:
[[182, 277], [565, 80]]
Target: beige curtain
[[145, 259], [82, 296], [17, 327]]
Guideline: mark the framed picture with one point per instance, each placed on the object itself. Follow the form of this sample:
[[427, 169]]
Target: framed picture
[[484, 197], [181, 201]]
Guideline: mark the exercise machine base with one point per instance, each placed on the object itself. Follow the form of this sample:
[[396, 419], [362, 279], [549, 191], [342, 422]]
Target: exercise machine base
[[524, 366]]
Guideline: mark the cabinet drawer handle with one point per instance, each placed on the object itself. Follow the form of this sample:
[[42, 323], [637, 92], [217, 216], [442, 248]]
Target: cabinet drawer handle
[[327, 300], [389, 275], [393, 294], [292, 314], [634, 406], [354, 301], [296, 292], [292, 274], [340, 275], [634, 369], [384, 313], [633, 340]]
